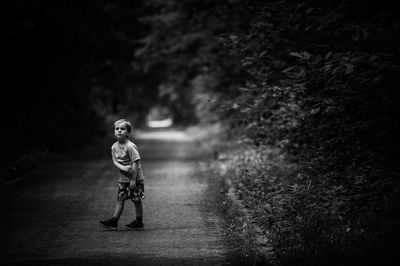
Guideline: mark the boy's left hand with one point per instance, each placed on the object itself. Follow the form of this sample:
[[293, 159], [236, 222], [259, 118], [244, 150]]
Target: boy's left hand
[[130, 168]]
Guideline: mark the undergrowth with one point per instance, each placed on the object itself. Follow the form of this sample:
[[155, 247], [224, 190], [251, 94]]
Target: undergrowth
[[311, 216]]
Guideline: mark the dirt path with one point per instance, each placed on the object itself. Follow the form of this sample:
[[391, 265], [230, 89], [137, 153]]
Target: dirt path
[[54, 220]]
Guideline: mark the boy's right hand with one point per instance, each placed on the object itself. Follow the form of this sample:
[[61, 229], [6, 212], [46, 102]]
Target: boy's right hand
[[127, 168]]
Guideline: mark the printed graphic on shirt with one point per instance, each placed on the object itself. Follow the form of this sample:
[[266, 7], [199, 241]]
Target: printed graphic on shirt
[[125, 154]]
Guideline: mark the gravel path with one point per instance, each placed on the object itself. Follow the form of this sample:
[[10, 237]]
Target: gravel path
[[52, 220]]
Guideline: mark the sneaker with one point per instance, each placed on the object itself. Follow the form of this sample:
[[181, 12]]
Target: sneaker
[[134, 225], [111, 224]]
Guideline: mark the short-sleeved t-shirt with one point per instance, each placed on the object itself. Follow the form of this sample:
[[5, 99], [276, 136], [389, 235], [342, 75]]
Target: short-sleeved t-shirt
[[126, 154]]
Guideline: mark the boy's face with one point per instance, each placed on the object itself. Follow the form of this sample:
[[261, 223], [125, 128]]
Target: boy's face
[[121, 132]]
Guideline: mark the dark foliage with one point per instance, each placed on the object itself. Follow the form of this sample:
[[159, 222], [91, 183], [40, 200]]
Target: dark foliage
[[317, 79], [65, 66]]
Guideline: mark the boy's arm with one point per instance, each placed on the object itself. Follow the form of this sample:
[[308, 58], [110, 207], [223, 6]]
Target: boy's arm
[[121, 167], [134, 171]]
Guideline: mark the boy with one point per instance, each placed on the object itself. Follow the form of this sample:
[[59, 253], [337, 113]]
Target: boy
[[126, 159]]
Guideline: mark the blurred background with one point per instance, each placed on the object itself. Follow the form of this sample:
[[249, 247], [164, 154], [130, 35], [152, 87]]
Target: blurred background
[[317, 73], [317, 79]]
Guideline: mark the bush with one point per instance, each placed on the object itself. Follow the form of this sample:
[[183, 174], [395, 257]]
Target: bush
[[316, 217]]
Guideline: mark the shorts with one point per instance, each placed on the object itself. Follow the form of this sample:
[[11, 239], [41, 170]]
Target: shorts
[[124, 192]]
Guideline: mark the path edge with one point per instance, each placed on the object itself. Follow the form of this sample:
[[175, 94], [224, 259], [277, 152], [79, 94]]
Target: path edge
[[262, 247]]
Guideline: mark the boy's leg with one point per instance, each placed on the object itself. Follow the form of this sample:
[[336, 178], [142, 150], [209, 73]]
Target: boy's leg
[[118, 209], [122, 195], [138, 222], [139, 204], [139, 210]]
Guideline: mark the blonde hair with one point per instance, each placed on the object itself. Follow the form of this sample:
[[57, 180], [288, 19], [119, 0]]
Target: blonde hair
[[126, 123]]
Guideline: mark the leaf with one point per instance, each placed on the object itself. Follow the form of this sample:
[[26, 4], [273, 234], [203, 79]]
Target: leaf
[[328, 55], [349, 68], [302, 55], [296, 54], [306, 55], [288, 69], [309, 10], [262, 53], [372, 59], [314, 111]]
